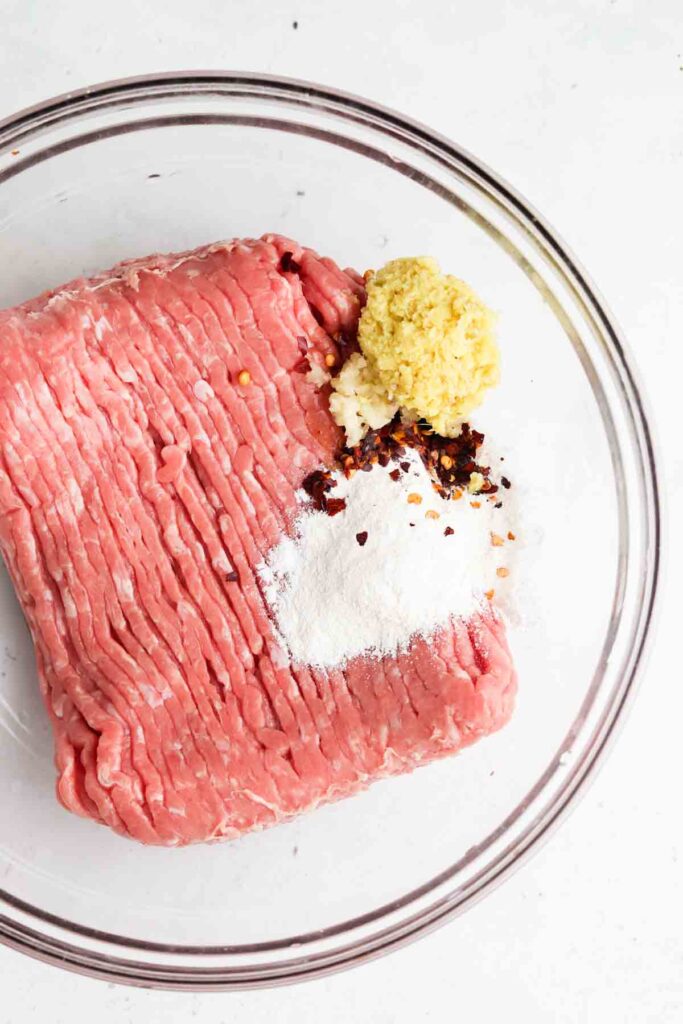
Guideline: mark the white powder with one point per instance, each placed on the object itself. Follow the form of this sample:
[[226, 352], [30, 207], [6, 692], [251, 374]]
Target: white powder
[[333, 599]]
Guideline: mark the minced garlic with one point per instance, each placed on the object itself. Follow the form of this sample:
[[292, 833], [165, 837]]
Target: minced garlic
[[317, 376], [358, 403]]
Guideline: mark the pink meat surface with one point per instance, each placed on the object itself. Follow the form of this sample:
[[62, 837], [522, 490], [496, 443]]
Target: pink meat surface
[[140, 486]]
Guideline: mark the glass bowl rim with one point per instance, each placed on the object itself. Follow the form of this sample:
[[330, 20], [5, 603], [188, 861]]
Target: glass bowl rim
[[30, 123]]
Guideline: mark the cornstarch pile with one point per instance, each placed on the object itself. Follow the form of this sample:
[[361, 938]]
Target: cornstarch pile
[[398, 560]]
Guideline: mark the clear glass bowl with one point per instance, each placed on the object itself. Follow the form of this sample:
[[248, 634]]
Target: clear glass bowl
[[170, 162]]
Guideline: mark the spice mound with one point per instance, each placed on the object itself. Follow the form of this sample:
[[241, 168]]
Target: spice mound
[[393, 560], [455, 463], [427, 347]]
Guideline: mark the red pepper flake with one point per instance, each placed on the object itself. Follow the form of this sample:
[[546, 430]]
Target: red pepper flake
[[348, 466], [449, 531], [511, 535], [362, 537], [302, 343], [231, 577], [317, 484], [450, 460], [303, 366], [334, 505], [506, 483], [288, 264], [347, 342]]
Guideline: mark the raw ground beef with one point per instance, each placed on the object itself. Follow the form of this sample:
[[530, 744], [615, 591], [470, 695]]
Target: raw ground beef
[[140, 486]]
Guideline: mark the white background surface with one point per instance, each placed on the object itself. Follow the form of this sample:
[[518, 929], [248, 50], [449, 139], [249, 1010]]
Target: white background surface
[[579, 104]]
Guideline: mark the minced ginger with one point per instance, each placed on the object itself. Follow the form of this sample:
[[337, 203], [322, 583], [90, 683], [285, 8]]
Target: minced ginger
[[428, 349]]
